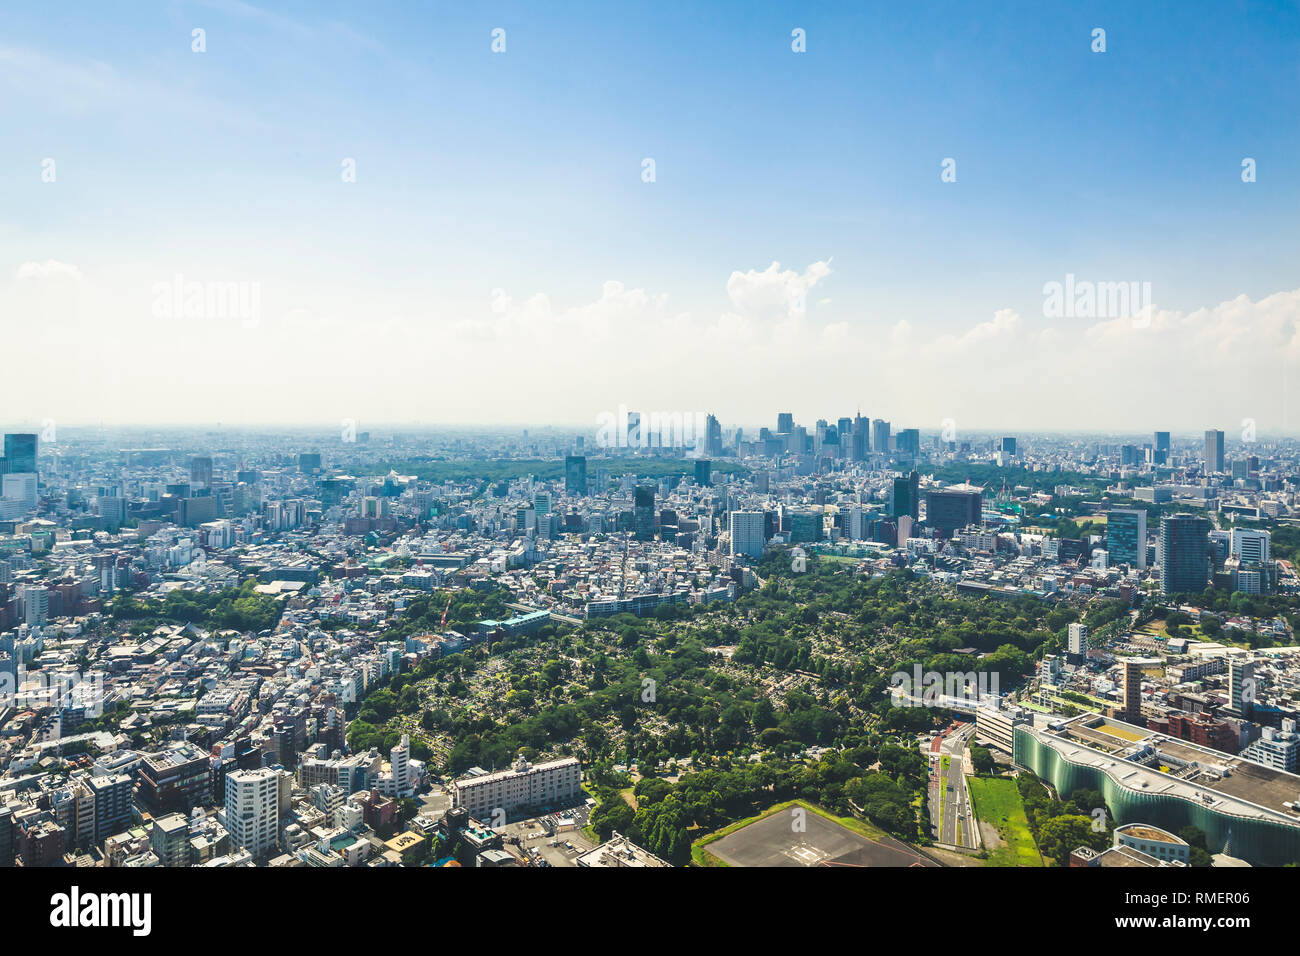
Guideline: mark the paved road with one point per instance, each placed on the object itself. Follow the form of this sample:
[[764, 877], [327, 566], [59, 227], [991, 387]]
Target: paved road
[[956, 802]]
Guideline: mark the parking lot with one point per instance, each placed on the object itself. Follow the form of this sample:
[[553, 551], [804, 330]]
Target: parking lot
[[545, 843]]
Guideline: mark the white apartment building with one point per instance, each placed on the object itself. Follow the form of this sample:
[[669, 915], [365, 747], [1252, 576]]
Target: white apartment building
[[747, 533], [1078, 639], [252, 812], [36, 604], [541, 786]]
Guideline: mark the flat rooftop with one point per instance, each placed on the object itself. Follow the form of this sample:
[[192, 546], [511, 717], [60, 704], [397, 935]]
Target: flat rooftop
[[1227, 783]]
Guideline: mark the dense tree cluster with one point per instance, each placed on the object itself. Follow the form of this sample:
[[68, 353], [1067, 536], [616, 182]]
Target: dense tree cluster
[[240, 609]]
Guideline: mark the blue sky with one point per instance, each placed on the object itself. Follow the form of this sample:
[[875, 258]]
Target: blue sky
[[521, 172]]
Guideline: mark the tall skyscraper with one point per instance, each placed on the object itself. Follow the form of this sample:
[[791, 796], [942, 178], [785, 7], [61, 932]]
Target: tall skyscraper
[[1184, 554], [643, 512], [860, 444], [1132, 689], [703, 471], [1126, 537], [746, 529], [713, 437], [201, 471], [953, 508], [1162, 441], [905, 498], [784, 423], [20, 454], [880, 436], [1213, 451], [908, 442], [575, 475]]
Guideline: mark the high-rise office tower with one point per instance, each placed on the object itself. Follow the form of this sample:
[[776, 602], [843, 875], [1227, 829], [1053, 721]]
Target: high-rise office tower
[[201, 471], [713, 437], [1184, 554], [908, 442], [1162, 442], [105, 566], [861, 441], [1213, 451], [575, 475], [1126, 536], [1008, 446], [784, 423], [952, 509], [19, 486], [643, 512], [746, 529], [703, 471], [905, 498], [20, 454], [880, 436], [845, 428], [1250, 545]]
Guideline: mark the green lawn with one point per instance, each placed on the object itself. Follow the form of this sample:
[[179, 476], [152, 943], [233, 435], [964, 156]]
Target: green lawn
[[998, 802]]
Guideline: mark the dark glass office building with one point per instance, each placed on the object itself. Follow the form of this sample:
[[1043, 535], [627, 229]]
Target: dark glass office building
[[643, 513], [575, 475], [20, 454], [1184, 554], [703, 471], [906, 498], [1126, 536], [953, 508]]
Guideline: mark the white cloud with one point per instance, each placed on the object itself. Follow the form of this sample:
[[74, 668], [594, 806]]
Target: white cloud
[[49, 269], [775, 291]]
